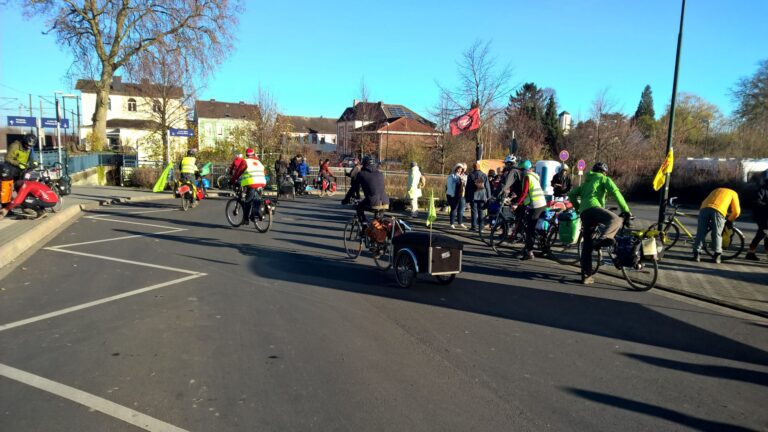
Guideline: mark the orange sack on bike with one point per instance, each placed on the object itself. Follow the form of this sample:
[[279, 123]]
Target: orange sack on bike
[[377, 232], [6, 191]]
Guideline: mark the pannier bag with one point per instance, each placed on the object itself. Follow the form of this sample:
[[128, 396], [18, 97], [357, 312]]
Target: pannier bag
[[542, 225], [727, 236], [377, 231], [628, 255], [568, 227]]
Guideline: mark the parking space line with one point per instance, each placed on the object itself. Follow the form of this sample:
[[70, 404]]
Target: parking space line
[[116, 238], [91, 401], [97, 302], [138, 263]]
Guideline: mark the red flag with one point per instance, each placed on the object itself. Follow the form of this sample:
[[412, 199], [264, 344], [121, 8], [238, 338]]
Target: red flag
[[467, 122]]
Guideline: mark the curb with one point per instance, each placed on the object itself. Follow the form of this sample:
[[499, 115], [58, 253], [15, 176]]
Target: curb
[[11, 251], [659, 286], [21, 244]]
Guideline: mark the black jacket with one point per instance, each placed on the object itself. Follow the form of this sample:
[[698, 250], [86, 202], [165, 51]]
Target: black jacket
[[761, 205], [512, 183], [371, 180], [564, 180]]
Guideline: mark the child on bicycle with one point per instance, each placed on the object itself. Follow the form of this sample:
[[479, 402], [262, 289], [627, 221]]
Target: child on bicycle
[[589, 200]]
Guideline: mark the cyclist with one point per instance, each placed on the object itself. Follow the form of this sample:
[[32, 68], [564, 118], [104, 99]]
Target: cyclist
[[511, 179], [761, 218], [189, 170], [17, 157], [325, 171], [561, 182], [531, 195], [371, 180], [713, 213], [252, 180], [589, 200]]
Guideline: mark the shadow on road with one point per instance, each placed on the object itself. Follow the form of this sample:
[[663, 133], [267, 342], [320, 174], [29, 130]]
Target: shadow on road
[[724, 372], [655, 411]]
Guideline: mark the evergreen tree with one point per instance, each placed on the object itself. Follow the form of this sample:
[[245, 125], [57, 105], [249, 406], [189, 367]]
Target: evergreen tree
[[645, 107], [528, 100], [551, 128]]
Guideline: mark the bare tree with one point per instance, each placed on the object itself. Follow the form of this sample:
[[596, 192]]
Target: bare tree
[[601, 105], [107, 35], [482, 84]]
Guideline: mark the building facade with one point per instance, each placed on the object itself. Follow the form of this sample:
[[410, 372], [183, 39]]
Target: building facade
[[134, 115], [223, 123], [565, 122], [316, 132], [368, 127]]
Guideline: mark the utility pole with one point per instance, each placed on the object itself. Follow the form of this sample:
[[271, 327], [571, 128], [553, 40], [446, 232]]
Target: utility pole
[[40, 136], [665, 193]]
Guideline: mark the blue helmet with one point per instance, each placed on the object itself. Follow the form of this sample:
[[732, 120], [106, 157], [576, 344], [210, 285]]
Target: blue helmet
[[526, 164]]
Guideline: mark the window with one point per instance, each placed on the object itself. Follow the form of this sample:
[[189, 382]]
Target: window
[[109, 104], [208, 129], [220, 130], [156, 107], [132, 105]]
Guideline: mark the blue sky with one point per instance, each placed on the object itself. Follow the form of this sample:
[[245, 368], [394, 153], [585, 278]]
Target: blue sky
[[312, 55]]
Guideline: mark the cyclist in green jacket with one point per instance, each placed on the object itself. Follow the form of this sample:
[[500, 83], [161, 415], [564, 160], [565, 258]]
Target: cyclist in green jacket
[[589, 200]]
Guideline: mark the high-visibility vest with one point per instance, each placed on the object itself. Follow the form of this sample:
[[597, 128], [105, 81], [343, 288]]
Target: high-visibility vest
[[253, 174], [535, 197], [188, 165]]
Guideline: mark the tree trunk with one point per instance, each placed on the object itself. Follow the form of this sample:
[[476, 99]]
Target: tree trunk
[[99, 118]]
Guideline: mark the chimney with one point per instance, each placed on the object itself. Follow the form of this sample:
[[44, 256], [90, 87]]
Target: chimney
[[355, 102], [213, 100]]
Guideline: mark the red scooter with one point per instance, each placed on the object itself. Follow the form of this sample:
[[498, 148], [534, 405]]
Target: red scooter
[[34, 198]]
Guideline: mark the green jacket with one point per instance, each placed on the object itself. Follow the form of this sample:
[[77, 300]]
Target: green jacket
[[17, 156], [593, 191]]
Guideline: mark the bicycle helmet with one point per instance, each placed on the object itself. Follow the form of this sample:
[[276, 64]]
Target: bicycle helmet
[[526, 164], [29, 140], [250, 152], [510, 159], [191, 152], [600, 167]]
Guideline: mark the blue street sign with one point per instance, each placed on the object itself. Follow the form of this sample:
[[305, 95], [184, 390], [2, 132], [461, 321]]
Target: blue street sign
[[22, 121], [49, 122], [181, 132]]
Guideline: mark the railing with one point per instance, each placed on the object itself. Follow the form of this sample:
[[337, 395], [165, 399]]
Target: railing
[[82, 162]]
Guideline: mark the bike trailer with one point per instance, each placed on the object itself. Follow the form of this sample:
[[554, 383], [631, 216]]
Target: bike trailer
[[440, 255], [568, 227]]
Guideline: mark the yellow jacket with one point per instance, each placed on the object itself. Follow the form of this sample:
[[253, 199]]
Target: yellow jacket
[[721, 199]]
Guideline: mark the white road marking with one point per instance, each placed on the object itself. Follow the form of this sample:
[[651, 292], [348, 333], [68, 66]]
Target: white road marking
[[135, 223], [117, 238], [139, 263], [97, 302], [91, 401]]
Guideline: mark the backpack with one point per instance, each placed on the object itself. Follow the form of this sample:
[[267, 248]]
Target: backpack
[[479, 183]]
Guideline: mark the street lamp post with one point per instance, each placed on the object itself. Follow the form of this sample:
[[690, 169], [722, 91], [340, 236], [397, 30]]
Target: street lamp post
[[665, 194]]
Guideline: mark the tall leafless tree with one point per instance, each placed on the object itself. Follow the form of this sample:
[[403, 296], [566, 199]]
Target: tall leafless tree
[[483, 83], [107, 35]]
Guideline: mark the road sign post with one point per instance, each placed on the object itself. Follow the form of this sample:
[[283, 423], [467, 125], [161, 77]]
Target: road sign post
[[580, 165]]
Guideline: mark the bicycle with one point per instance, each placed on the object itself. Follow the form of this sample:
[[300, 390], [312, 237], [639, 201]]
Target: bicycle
[[376, 236], [237, 217], [732, 247], [633, 253], [671, 227], [507, 234], [186, 190]]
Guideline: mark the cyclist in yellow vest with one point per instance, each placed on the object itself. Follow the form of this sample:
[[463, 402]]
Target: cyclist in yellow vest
[[188, 169], [17, 157], [252, 180], [532, 196]]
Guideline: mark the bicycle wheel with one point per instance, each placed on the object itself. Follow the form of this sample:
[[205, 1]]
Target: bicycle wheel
[[234, 212], [263, 223], [353, 238], [405, 269], [563, 253], [730, 250], [186, 201], [642, 277], [222, 181], [383, 259], [505, 240], [669, 237], [485, 235]]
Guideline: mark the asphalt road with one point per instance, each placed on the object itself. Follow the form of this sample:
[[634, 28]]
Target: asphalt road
[[147, 317]]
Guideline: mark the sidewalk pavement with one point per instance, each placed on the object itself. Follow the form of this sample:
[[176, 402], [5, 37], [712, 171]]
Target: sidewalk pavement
[[17, 236], [736, 284]]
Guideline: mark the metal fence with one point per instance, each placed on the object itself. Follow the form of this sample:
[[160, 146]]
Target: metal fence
[[81, 162]]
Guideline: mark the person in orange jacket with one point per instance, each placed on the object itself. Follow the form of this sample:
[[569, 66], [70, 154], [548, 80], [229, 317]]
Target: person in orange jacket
[[719, 209]]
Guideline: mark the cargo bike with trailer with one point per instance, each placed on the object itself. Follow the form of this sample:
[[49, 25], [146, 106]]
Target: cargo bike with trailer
[[415, 253]]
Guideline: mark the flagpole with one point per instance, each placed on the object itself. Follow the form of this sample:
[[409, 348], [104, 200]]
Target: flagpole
[[665, 195]]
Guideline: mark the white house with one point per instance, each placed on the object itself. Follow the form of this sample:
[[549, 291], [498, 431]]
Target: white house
[[133, 114], [565, 122], [319, 132]]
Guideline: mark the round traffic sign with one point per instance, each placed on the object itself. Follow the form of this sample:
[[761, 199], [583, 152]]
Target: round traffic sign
[[564, 155], [581, 164]]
